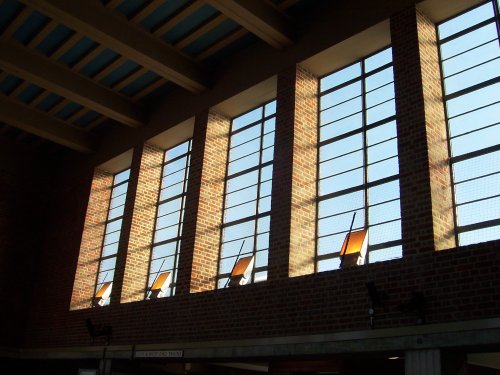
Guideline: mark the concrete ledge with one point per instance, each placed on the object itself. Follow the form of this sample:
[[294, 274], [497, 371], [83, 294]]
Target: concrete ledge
[[465, 333]]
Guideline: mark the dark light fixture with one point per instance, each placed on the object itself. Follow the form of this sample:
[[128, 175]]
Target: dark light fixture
[[416, 305], [98, 330], [375, 300]]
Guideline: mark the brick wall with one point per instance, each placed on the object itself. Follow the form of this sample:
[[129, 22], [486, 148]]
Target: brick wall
[[458, 284], [293, 214], [132, 264], [462, 284], [426, 209], [91, 245], [199, 252]]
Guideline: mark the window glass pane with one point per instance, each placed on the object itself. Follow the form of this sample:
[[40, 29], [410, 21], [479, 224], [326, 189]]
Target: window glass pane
[[340, 127], [114, 226], [341, 76], [341, 111], [359, 173], [248, 191], [121, 177], [328, 264], [466, 20], [379, 59], [112, 230], [479, 235], [386, 254], [169, 217], [167, 249], [470, 40], [341, 95], [471, 65], [247, 118]]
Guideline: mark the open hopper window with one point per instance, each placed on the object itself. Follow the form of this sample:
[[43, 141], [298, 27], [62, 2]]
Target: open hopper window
[[102, 296], [242, 271], [353, 252], [161, 285]]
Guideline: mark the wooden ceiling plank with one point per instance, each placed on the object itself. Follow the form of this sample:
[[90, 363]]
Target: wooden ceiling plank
[[17, 22], [146, 11], [65, 46], [260, 18], [88, 58], [42, 34], [95, 123], [75, 116], [129, 79], [109, 68], [59, 79], [216, 47], [58, 106], [113, 3], [19, 115], [40, 98], [115, 32], [19, 89], [171, 22], [210, 25], [149, 89]]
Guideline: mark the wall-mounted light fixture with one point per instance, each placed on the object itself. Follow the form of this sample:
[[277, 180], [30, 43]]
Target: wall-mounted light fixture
[[416, 305], [375, 300], [98, 330]]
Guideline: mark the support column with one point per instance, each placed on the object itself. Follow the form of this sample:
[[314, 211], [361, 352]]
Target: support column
[[93, 234], [293, 214], [199, 254], [423, 362], [426, 197], [132, 261]]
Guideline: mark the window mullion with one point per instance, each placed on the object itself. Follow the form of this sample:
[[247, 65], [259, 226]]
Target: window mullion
[[365, 151]]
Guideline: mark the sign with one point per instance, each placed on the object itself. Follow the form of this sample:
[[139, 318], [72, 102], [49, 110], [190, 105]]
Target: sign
[[159, 354]]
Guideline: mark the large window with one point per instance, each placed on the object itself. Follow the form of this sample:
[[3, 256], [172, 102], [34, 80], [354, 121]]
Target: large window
[[107, 261], [170, 216], [247, 198], [470, 61], [358, 161]]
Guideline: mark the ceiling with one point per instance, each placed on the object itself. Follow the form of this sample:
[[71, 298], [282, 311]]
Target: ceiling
[[102, 75], [70, 70]]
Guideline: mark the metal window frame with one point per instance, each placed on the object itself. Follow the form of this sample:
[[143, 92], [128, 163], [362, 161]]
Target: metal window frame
[[365, 127], [178, 238], [259, 167], [446, 97], [102, 258]]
